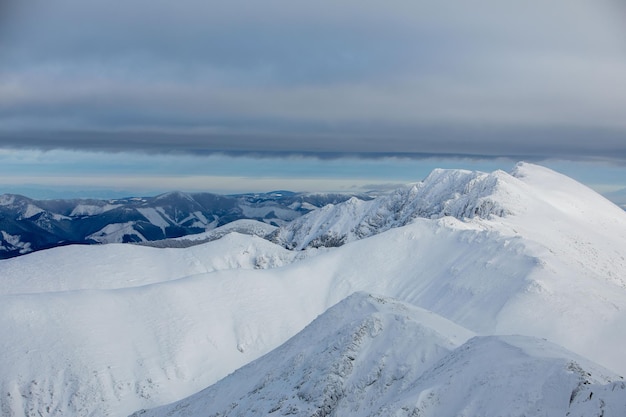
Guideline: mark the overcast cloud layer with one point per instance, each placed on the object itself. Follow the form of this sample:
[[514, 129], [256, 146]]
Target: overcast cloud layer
[[528, 79]]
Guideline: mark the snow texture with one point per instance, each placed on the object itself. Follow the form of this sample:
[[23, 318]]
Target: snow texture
[[458, 193], [373, 356], [107, 330]]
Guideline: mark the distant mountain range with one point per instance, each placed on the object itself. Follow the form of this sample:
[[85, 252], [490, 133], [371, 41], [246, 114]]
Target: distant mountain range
[[466, 294], [28, 225]]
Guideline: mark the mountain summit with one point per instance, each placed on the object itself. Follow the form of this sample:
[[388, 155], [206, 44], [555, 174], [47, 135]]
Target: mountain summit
[[461, 194], [499, 293], [374, 356]]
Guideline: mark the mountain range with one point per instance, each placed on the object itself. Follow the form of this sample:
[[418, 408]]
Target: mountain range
[[468, 293], [28, 225]]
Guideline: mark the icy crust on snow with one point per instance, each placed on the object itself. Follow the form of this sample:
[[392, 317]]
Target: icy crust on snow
[[374, 356], [457, 193]]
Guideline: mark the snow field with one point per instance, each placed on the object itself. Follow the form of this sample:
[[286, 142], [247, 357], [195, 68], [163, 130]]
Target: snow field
[[107, 330], [374, 356]]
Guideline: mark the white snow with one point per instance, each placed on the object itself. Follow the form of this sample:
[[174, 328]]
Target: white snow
[[373, 356], [31, 211], [92, 210], [243, 226], [458, 193], [115, 266], [154, 217], [7, 199], [115, 232], [201, 217], [15, 242], [107, 330], [176, 195], [163, 214], [262, 211]]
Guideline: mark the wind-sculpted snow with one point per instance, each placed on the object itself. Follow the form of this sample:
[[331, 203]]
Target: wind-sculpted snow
[[357, 354], [114, 266], [374, 356], [457, 193], [514, 376], [111, 329]]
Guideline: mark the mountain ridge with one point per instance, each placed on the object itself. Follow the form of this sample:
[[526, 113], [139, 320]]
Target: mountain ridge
[[374, 356], [29, 225], [457, 193], [142, 327]]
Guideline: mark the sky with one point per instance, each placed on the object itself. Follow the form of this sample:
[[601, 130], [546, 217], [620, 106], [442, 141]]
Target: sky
[[144, 96]]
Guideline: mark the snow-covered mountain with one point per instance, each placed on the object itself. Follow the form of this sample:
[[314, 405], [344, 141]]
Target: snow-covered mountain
[[374, 356], [28, 225], [461, 194], [243, 226], [110, 329]]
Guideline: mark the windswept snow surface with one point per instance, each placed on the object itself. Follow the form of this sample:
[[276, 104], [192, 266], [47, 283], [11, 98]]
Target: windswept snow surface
[[374, 356], [115, 266], [107, 330]]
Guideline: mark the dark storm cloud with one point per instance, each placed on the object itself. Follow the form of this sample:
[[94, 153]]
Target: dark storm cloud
[[435, 141], [533, 79]]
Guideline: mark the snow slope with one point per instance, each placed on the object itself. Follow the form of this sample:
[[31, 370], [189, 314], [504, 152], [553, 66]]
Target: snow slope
[[374, 356], [107, 330], [115, 266], [575, 237]]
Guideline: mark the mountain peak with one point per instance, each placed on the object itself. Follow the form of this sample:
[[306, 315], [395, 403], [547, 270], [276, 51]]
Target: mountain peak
[[177, 195], [110, 329], [10, 199], [469, 196], [445, 192], [375, 356]]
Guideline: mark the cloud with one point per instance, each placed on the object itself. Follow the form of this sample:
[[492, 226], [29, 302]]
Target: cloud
[[404, 77]]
